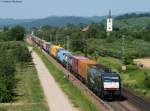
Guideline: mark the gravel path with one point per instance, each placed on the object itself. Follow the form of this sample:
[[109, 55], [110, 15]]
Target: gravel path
[[56, 99]]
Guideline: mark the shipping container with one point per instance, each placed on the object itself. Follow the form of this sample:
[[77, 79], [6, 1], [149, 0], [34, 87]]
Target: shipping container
[[62, 55], [53, 50], [31, 37], [38, 41], [83, 67], [46, 46], [42, 43], [73, 62], [35, 39]]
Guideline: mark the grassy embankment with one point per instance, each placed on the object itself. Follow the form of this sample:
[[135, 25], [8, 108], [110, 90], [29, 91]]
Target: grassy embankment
[[76, 96], [29, 92], [133, 77]]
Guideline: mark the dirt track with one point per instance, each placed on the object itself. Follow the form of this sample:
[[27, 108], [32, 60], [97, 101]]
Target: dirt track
[[56, 99], [143, 62]]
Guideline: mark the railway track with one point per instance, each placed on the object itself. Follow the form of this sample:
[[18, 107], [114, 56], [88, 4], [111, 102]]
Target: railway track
[[96, 100], [117, 106], [141, 103], [124, 105], [130, 102]]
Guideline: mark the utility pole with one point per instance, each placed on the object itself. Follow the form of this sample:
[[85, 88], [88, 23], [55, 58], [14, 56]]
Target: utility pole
[[123, 53], [68, 43], [67, 46], [51, 37], [65, 42], [56, 39], [123, 49], [85, 47]]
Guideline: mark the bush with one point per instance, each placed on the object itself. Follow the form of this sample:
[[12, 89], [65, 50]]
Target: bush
[[132, 84], [127, 60], [3, 36], [2, 109], [12, 53], [17, 50], [147, 80], [131, 68], [7, 79], [17, 33], [22, 54]]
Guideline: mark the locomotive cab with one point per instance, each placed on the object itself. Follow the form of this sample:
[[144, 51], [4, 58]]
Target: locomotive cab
[[111, 85], [103, 82]]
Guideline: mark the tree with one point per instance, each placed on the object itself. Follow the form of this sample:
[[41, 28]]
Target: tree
[[147, 79], [7, 78], [6, 28], [17, 33], [21, 54], [11, 53]]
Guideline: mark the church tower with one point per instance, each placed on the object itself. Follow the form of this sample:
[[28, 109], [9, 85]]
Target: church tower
[[109, 22]]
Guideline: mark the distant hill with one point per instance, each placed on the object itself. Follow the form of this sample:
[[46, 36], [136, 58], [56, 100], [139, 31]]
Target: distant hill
[[132, 20], [6, 22], [53, 21], [133, 15], [121, 21]]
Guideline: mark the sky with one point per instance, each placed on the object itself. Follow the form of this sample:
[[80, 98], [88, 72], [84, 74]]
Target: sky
[[43, 8]]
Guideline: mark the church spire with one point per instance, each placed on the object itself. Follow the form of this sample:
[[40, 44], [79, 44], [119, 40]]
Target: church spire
[[109, 16]]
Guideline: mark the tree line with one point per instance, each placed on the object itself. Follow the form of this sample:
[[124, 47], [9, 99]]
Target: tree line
[[96, 40], [13, 51]]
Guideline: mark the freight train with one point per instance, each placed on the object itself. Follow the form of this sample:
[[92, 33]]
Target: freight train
[[101, 80]]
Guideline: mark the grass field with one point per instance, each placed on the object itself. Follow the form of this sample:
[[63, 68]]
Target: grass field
[[77, 98], [115, 64], [134, 79], [29, 92]]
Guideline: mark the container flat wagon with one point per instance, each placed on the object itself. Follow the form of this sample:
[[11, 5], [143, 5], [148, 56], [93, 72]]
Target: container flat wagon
[[101, 80]]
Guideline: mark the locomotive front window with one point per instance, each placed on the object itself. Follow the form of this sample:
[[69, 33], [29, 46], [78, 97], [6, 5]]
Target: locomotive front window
[[111, 79]]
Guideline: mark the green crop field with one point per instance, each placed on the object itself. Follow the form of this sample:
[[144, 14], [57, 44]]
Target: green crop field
[[29, 92]]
